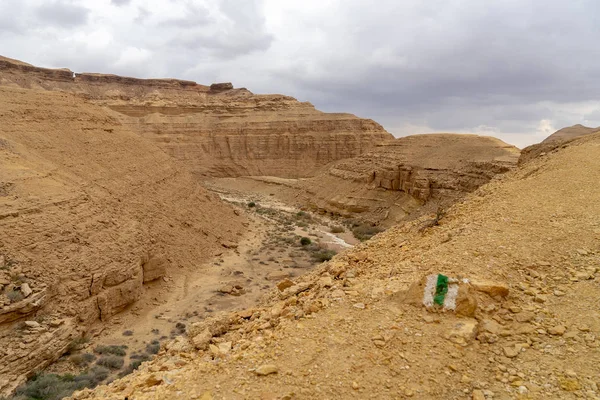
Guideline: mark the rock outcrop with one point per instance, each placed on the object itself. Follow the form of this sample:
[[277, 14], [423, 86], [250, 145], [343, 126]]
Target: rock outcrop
[[215, 130], [89, 212]]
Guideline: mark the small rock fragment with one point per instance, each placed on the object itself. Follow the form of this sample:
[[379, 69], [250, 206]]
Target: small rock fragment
[[266, 369]]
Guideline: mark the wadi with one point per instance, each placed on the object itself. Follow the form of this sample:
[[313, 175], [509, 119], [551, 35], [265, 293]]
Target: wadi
[[163, 239]]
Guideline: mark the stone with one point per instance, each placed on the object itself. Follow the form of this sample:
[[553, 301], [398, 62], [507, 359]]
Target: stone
[[511, 351], [463, 304], [326, 282], [557, 330], [26, 290], [153, 380], [226, 289], [284, 284], [360, 306], [569, 384], [494, 289], [525, 316], [266, 369], [277, 276], [206, 396], [202, 340], [463, 332], [355, 385], [477, 395], [32, 324], [490, 326], [221, 87]]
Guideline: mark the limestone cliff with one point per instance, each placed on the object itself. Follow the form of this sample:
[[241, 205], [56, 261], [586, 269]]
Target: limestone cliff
[[216, 130], [89, 212]]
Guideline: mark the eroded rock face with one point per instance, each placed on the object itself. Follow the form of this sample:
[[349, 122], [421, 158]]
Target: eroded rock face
[[216, 131], [397, 177], [85, 204]]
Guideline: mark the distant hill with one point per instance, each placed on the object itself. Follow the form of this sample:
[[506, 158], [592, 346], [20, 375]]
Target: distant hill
[[571, 132]]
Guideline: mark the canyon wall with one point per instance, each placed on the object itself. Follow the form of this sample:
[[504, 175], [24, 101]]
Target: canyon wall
[[89, 213], [215, 130], [395, 179]]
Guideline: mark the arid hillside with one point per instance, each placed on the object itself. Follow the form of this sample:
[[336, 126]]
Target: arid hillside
[[215, 130], [570, 132], [517, 260], [89, 213], [555, 141]]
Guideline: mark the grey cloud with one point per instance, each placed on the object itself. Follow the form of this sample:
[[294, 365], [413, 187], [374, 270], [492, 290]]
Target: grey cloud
[[62, 14], [120, 2]]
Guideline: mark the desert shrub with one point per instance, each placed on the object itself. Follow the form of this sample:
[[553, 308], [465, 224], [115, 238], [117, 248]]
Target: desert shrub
[[324, 255], [93, 376], [128, 333], [153, 347], [304, 241], [365, 231], [337, 229], [130, 368], [140, 356], [82, 360], [77, 344], [111, 361], [252, 204], [48, 387], [15, 296], [55, 387], [302, 224], [114, 350]]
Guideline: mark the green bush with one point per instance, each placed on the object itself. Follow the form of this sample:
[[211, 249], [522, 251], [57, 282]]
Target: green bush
[[153, 347], [111, 361], [130, 368], [365, 231], [114, 350], [324, 255], [305, 241], [128, 333], [252, 204], [15, 296], [82, 360], [55, 387]]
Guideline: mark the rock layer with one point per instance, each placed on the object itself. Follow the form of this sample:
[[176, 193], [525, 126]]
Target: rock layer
[[216, 130], [395, 179]]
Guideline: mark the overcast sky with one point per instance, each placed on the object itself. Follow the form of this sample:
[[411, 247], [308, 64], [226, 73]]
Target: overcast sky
[[515, 69]]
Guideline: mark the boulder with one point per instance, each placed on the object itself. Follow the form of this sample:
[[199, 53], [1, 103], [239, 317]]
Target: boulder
[[221, 87], [438, 292], [494, 289]]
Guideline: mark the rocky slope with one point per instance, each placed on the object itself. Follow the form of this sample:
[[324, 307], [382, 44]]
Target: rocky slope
[[89, 213], [524, 252], [216, 130], [555, 141]]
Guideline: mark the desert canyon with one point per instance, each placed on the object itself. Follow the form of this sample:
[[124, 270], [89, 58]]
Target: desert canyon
[[163, 239]]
